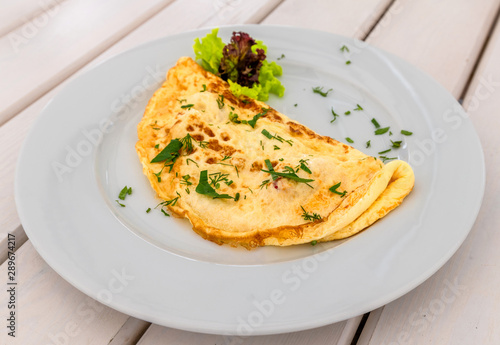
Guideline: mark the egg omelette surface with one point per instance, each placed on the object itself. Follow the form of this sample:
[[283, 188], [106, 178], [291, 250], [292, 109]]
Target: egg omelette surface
[[245, 174]]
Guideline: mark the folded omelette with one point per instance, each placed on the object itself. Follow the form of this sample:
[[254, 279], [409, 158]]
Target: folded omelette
[[246, 175]]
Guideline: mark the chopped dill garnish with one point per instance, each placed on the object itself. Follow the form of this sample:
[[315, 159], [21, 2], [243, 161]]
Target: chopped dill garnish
[[310, 217]]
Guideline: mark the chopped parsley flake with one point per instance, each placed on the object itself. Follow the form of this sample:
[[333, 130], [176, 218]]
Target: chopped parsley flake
[[334, 188], [382, 130], [396, 144], [124, 192], [349, 140], [220, 101], [368, 143], [188, 106], [406, 132], [385, 158], [375, 123], [264, 183], [344, 48], [189, 159], [169, 153], [234, 118], [185, 180], [303, 166], [288, 173], [358, 108], [319, 90], [205, 188], [335, 115], [253, 121], [276, 137], [266, 134]]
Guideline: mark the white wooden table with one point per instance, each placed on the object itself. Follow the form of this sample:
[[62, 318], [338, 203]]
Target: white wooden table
[[45, 43]]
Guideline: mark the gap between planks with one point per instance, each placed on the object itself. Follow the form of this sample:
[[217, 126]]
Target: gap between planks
[[486, 42]]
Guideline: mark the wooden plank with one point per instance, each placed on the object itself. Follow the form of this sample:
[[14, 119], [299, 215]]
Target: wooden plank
[[33, 62], [172, 20], [16, 13], [443, 38], [348, 18], [371, 323], [460, 303], [48, 310], [338, 333]]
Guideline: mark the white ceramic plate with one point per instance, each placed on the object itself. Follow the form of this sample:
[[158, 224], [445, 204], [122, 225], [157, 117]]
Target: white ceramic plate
[[80, 154]]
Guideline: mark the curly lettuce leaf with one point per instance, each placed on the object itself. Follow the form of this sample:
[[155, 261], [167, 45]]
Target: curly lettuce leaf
[[209, 51], [268, 83], [257, 79]]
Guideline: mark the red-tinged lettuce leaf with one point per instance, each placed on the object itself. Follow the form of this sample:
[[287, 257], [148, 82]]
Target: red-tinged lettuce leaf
[[239, 62]]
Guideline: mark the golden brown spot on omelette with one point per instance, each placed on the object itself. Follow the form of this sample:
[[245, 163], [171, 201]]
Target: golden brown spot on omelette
[[190, 128], [213, 144], [273, 116], [225, 136], [228, 96], [208, 132], [256, 166], [198, 137], [294, 129], [211, 160]]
